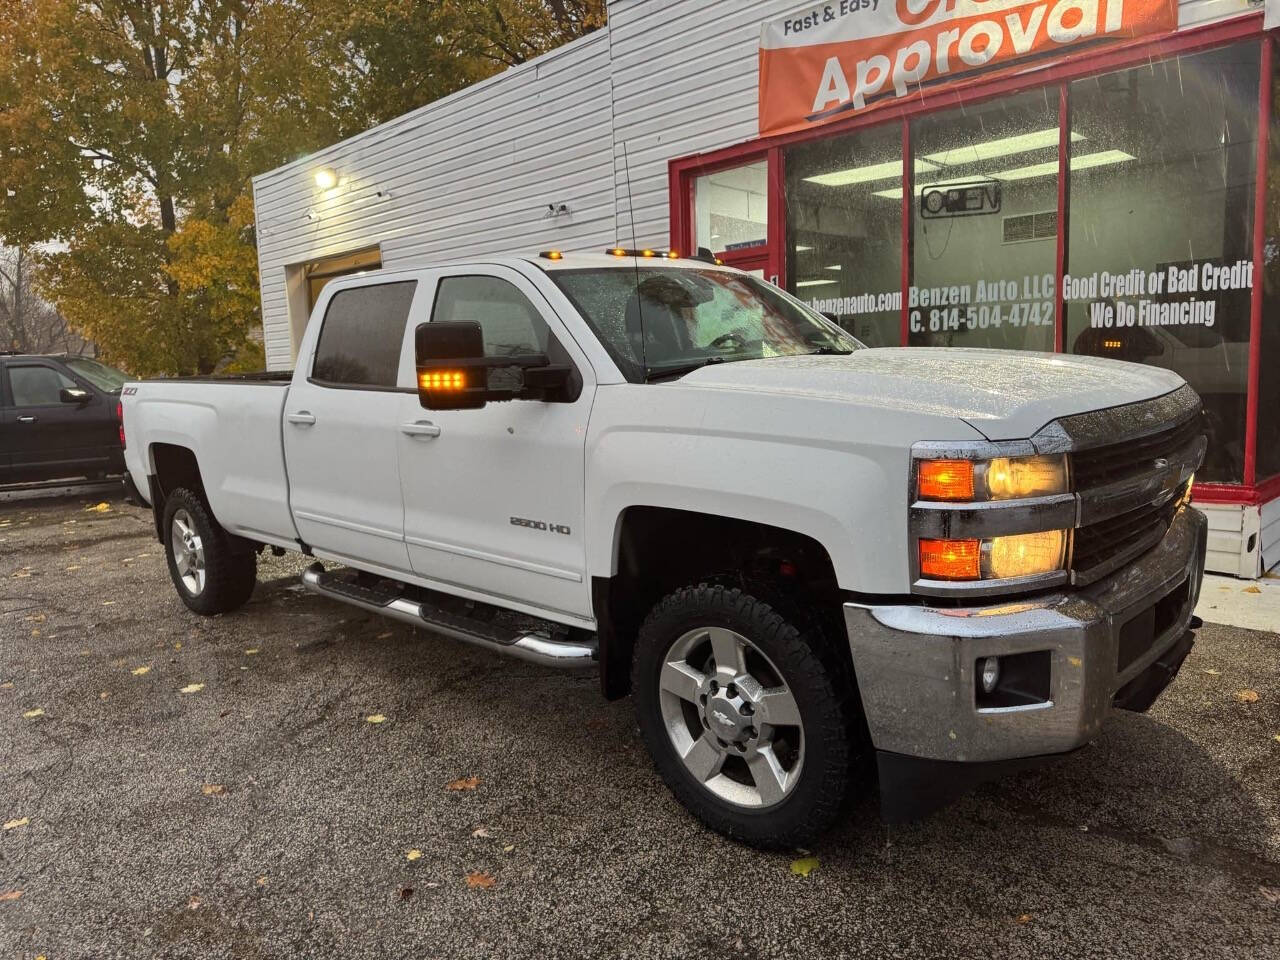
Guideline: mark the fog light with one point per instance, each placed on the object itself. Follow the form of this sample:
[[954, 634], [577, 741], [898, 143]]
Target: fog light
[[990, 674]]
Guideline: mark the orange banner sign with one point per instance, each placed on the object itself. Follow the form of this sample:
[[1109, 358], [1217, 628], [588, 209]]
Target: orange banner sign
[[830, 60]]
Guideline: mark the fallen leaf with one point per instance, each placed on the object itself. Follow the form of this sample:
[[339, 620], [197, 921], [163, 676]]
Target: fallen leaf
[[477, 879], [1276, 738], [804, 866], [36, 618], [261, 881], [406, 893], [375, 718], [139, 671], [32, 714], [108, 603], [73, 568], [1271, 893], [14, 824], [193, 903], [414, 854], [192, 688], [103, 695], [1247, 696], [251, 651], [383, 636], [9, 895], [178, 645], [479, 833], [7, 685], [103, 507], [463, 783], [1024, 918], [508, 848], [1213, 673], [210, 789], [1252, 590]]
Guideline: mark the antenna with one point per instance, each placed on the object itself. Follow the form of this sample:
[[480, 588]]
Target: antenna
[[635, 260]]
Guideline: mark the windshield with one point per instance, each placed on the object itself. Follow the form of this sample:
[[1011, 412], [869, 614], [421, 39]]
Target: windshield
[[106, 379], [661, 321]]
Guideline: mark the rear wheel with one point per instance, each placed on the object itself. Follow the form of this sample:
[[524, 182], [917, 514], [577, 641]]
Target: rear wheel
[[212, 572], [744, 716]]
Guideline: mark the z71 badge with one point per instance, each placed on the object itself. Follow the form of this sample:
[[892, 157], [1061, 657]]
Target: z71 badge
[[540, 525]]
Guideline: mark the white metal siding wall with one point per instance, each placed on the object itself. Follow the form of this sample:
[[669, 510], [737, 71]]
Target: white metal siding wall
[[469, 175]]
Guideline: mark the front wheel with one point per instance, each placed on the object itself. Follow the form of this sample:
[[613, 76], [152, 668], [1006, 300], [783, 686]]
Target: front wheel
[[212, 572], [745, 716]]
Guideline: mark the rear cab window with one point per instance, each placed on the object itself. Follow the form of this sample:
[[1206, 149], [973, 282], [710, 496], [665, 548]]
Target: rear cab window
[[361, 336]]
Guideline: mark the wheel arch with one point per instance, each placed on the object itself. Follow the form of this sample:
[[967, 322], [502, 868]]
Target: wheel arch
[[172, 466], [658, 549]]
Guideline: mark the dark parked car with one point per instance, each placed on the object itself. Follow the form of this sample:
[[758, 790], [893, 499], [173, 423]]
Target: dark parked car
[[59, 418]]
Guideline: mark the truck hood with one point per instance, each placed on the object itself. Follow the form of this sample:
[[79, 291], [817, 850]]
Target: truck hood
[[1004, 394]]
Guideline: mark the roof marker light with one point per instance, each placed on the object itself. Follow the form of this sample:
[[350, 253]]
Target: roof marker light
[[551, 255]]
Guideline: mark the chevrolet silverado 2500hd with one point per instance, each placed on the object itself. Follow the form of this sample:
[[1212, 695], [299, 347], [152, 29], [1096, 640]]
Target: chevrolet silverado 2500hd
[[791, 550]]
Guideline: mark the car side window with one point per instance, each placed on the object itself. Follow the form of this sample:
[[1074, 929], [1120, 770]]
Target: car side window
[[36, 386], [361, 336], [510, 323]]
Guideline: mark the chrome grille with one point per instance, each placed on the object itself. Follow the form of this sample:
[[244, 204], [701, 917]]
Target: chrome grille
[[1119, 484], [1101, 547], [1115, 461]]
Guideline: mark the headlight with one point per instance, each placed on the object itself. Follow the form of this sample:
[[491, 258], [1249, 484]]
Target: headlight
[[997, 558], [1001, 478]]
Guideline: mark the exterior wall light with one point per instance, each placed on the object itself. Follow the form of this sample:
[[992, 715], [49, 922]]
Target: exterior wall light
[[326, 178]]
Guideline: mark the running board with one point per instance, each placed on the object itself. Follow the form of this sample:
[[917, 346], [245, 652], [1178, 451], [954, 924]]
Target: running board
[[536, 646]]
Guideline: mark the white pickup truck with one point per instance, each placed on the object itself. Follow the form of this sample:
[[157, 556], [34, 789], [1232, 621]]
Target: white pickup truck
[[793, 551]]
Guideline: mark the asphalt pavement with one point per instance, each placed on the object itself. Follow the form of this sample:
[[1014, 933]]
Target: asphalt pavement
[[174, 786]]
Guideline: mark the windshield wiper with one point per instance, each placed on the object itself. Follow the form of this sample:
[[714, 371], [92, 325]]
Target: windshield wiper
[[652, 374], [829, 351]]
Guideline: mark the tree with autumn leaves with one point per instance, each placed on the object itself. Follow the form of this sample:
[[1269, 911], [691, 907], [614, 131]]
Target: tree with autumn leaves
[[129, 130]]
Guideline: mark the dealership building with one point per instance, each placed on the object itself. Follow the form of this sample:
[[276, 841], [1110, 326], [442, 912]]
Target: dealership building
[[1082, 176]]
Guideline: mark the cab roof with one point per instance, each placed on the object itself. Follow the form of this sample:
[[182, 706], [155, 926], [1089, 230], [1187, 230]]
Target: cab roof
[[571, 260]]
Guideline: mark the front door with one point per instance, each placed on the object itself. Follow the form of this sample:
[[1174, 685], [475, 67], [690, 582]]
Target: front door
[[340, 435], [493, 498], [52, 438]]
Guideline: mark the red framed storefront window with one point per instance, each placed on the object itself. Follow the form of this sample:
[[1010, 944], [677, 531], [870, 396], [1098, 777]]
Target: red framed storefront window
[[1064, 98]]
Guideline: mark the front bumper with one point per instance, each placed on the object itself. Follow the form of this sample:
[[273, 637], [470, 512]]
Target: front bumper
[[916, 663]]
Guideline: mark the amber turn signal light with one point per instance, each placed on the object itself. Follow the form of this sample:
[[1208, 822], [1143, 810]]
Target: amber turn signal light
[[950, 559], [945, 480], [442, 380]]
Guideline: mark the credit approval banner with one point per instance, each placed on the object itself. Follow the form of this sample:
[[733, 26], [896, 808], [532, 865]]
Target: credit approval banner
[[828, 60]]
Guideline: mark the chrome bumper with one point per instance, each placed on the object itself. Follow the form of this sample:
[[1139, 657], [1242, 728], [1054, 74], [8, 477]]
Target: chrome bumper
[[916, 664]]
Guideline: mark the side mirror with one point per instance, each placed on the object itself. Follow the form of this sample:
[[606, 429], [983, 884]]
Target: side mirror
[[74, 395], [453, 372]]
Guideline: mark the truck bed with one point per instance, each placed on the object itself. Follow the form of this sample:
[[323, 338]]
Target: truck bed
[[278, 378], [234, 429]]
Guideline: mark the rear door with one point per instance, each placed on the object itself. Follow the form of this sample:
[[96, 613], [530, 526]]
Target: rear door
[[340, 426], [52, 438]]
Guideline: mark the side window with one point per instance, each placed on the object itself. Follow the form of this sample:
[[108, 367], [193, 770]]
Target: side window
[[363, 330], [511, 324], [36, 386]]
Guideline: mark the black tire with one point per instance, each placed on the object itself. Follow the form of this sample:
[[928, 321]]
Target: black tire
[[822, 690], [230, 571]]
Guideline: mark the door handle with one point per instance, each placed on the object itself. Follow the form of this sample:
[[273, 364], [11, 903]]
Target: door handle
[[303, 418], [420, 428], [27, 419]]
